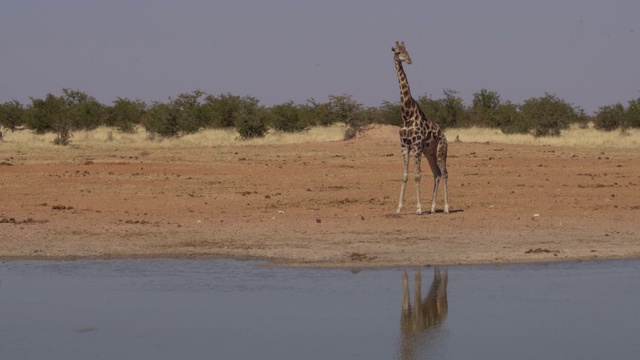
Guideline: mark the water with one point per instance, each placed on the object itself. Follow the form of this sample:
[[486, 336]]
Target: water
[[224, 309]]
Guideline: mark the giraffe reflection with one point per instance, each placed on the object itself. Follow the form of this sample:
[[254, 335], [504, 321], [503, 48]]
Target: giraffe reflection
[[425, 315]]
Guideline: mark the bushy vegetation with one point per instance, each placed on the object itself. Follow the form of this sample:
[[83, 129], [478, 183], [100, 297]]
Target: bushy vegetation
[[193, 112]]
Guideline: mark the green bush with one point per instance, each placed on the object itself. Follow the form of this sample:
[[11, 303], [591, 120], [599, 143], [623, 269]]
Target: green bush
[[42, 113], [85, 111], [286, 117], [388, 113], [12, 115], [223, 109], [191, 116], [251, 122], [632, 114], [315, 113], [358, 120], [431, 108], [548, 115], [609, 117], [161, 119], [508, 118], [182, 115], [125, 114], [191, 112], [52, 114], [446, 112], [483, 111], [63, 114]]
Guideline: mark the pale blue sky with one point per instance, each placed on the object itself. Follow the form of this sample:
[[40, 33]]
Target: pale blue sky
[[587, 52]]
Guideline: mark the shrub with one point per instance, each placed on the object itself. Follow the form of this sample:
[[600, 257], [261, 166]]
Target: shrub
[[251, 122], [483, 109], [357, 121], [632, 114], [222, 110], [251, 119], [454, 111], [609, 117], [12, 115], [161, 119], [510, 120], [446, 112], [548, 115], [315, 113], [432, 109], [286, 117], [44, 112], [84, 111], [125, 114], [388, 113]]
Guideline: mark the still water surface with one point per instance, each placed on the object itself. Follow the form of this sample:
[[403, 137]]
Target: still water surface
[[225, 309]]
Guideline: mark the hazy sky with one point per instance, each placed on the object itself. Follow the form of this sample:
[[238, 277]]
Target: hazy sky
[[587, 52]]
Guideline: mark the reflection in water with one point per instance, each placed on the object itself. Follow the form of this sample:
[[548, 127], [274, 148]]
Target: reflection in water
[[420, 320], [224, 309]]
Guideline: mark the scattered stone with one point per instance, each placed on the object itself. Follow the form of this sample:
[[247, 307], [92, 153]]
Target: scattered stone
[[541, 251], [537, 251], [25, 221], [354, 256], [318, 220]]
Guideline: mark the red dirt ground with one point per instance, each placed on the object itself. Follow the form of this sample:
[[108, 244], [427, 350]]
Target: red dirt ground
[[323, 204]]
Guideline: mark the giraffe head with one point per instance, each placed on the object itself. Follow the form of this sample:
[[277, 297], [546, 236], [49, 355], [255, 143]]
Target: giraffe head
[[400, 52]]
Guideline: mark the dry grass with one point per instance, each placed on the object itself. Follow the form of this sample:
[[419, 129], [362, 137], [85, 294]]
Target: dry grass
[[108, 137], [25, 146], [575, 136], [101, 140]]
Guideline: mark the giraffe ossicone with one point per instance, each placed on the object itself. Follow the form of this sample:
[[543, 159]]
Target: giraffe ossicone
[[420, 136]]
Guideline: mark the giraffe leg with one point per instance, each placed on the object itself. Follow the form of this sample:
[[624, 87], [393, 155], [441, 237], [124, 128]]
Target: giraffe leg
[[438, 163], [405, 176], [442, 166], [446, 195], [417, 291], [436, 180], [436, 183], [418, 175], [406, 305]]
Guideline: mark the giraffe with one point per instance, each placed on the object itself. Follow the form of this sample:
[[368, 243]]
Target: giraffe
[[420, 135], [425, 314]]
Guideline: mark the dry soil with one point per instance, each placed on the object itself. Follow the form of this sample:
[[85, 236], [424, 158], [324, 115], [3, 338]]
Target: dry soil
[[321, 204]]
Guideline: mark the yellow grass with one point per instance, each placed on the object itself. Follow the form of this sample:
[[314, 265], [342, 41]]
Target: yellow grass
[[84, 143], [24, 146], [575, 136], [109, 137]]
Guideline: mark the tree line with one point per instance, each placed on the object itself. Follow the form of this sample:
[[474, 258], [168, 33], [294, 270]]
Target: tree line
[[191, 112]]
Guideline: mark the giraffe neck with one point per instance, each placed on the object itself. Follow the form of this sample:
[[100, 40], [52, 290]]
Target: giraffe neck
[[405, 92]]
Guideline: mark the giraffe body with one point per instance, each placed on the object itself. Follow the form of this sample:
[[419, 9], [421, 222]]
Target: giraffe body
[[420, 136]]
